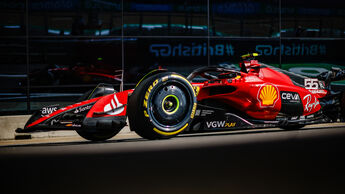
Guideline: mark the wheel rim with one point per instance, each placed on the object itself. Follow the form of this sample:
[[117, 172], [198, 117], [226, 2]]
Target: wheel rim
[[169, 105]]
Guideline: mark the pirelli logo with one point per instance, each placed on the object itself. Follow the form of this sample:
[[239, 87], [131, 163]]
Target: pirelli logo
[[147, 94]]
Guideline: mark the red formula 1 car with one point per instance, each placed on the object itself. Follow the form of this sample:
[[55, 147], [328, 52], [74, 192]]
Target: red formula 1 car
[[165, 104]]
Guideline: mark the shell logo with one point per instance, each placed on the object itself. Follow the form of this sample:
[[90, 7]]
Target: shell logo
[[268, 95]]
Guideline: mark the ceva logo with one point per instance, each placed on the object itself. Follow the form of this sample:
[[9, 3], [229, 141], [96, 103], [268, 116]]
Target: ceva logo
[[268, 95], [114, 107]]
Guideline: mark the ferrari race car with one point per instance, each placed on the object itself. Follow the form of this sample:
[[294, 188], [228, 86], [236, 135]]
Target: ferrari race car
[[164, 104]]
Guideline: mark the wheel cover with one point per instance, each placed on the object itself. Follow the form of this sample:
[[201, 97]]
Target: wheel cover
[[169, 104]]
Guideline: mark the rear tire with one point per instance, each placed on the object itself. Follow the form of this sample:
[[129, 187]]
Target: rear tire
[[342, 107], [293, 127], [161, 106]]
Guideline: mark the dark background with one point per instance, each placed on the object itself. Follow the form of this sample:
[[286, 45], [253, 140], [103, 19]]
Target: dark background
[[51, 51], [308, 161]]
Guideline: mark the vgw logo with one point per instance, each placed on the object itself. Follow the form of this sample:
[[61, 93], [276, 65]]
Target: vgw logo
[[219, 124], [114, 107]]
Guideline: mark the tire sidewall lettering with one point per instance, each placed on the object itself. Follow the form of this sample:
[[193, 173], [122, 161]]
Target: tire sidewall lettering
[[148, 92], [152, 87]]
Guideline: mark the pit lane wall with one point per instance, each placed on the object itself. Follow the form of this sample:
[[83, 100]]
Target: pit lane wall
[[8, 125]]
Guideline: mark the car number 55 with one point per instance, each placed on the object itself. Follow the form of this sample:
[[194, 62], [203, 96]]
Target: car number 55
[[311, 84]]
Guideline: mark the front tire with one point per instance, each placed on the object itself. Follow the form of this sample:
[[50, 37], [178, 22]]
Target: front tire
[[98, 135], [161, 106], [101, 129]]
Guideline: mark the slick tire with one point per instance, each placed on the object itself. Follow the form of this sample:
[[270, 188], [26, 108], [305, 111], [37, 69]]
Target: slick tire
[[98, 135], [103, 129], [342, 106], [293, 127], [161, 106]]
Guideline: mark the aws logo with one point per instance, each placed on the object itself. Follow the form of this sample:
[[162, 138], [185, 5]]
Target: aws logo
[[48, 110], [268, 95]]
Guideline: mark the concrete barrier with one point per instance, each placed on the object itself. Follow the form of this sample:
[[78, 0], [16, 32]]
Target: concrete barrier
[[8, 125]]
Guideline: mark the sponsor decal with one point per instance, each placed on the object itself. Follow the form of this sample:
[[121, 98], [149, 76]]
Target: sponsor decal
[[54, 121], [204, 113], [271, 122], [310, 116], [295, 118], [322, 85], [82, 109], [114, 107], [292, 49], [191, 50], [290, 97], [252, 79], [240, 7], [220, 124], [318, 91], [309, 105], [48, 110], [72, 125], [268, 95]]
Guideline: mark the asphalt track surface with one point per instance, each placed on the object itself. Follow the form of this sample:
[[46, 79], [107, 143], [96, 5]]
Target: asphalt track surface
[[266, 161]]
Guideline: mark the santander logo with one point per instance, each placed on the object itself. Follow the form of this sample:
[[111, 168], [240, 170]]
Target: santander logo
[[114, 107]]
